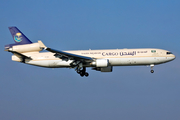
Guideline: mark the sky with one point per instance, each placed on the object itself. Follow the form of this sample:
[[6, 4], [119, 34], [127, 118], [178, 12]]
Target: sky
[[128, 93]]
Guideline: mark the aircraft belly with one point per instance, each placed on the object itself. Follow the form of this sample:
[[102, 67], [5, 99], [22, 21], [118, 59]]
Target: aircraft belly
[[44, 63], [136, 61], [59, 63], [50, 63]]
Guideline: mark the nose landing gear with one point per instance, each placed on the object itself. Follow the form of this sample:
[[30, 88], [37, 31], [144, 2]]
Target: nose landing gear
[[152, 65], [152, 71]]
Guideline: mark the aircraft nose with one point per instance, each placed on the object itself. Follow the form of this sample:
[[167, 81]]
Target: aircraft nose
[[173, 57], [170, 56]]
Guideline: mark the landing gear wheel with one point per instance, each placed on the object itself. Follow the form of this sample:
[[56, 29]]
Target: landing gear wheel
[[81, 75], [78, 72], [152, 71], [82, 71], [86, 74]]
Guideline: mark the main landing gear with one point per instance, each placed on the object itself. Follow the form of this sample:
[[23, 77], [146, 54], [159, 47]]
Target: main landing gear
[[82, 72], [152, 65], [78, 65]]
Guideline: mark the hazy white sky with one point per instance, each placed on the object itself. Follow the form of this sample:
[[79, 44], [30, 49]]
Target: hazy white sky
[[128, 93]]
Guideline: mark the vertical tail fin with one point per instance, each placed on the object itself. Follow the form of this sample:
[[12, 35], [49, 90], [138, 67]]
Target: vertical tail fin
[[18, 36]]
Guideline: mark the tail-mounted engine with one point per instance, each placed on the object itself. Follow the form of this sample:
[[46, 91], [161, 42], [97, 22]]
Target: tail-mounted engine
[[33, 47]]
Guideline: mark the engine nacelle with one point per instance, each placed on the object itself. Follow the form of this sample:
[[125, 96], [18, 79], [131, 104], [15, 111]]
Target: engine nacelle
[[33, 47], [104, 69], [102, 63]]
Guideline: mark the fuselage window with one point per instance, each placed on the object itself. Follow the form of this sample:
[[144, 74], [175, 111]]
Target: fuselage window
[[153, 51]]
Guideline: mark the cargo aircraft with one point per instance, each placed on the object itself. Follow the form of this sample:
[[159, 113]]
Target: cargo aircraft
[[25, 51]]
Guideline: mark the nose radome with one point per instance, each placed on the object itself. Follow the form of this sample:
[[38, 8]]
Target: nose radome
[[174, 56], [171, 57]]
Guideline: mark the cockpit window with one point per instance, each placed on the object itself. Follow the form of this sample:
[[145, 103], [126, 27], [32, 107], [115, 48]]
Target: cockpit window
[[168, 53]]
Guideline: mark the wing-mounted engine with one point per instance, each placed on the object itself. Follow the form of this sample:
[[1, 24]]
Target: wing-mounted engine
[[101, 63], [103, 69]]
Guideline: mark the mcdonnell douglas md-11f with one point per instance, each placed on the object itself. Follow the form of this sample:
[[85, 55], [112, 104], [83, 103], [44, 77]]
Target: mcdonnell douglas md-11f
[[101, 60]]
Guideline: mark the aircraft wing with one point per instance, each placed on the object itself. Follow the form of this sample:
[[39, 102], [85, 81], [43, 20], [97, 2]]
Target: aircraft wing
[[69, 56]]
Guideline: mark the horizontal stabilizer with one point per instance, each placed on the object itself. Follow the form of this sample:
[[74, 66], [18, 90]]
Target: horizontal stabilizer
[[21, 56]]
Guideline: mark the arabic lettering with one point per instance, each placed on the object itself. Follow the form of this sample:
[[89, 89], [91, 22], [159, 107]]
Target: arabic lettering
[[127, 53], [118, 53]]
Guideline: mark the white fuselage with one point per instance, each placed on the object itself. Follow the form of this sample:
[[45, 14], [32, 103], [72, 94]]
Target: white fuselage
[[116, 57]]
